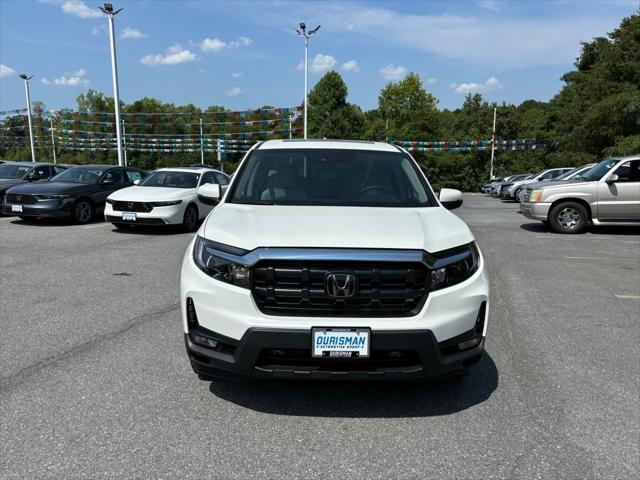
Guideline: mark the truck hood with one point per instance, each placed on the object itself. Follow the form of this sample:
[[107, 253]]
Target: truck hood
[[150, 194], [251, 226]]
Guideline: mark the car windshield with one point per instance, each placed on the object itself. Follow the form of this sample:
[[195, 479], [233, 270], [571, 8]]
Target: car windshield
[[571, 172], [9, 171], [86, 175], [599, 171], [336, 177], [171, 179], [518, 177]]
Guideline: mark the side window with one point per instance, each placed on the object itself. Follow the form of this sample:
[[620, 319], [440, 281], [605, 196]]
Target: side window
[[133, 175], [548, 175], [221, 178], [57, 170], [42, 171], [115, 174], [208, 177], [629, 172]]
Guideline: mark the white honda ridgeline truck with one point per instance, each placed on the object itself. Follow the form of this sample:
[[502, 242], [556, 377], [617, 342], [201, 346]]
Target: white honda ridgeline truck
[[332, 260]]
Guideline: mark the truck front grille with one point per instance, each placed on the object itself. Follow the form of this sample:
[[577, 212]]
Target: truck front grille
[[297, 288]]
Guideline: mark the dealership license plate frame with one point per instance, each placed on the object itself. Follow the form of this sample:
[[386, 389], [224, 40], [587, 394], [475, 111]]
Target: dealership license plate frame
[[16, 208], [344, 353], [129, 216]]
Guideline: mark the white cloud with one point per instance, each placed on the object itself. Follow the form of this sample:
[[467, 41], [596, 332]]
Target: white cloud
[[131, 34], [490, 5], [80, 9], [351, 66], [6, 71], [212, 45], [431, 81], [236, 75], [322, 63], [491, 83], [174, 55], [216, 45], [391, 72], [234, 92], [73, 79]]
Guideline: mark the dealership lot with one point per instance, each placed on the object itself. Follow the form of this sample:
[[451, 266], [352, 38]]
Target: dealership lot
[[95, 382]]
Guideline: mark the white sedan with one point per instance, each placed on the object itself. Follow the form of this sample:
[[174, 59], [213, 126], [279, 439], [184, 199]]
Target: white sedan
[[168, 196]]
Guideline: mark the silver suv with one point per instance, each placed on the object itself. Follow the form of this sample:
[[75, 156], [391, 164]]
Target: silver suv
[[608, 193]]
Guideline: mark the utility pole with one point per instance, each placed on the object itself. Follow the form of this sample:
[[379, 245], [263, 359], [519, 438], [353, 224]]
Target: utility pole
[[493, 143], [53, 141], [290, 126], [124, 143], [108, 10], [219, 150], [302, 33], [28, 93], [201, 144]]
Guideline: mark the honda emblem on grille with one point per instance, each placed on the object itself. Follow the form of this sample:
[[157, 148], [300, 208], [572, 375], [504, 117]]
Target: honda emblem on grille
[[18, 198], [341, 284], [130, 205]]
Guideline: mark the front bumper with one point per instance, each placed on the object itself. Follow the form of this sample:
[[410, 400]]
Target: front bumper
[[233, 315], [285, 354], [535, 211], [41, 209], [169, 215]]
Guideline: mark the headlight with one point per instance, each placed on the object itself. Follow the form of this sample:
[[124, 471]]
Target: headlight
[[110, 201], [535, 196], [165, 204], [219, 268], [454, 267]]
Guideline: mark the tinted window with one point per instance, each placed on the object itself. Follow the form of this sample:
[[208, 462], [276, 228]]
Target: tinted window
[[207, 177], [133, 175], [115, 174], [8, 170], [41, 171], [221, 178], [629, 172], [330, 177], [171, 179], [57, 170]]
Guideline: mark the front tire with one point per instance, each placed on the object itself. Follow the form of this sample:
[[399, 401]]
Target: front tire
[[568, 217], [190, 219], [83, 211]]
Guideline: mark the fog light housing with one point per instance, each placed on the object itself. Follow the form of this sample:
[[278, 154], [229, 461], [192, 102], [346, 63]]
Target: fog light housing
[[203, 341], [469, 343]]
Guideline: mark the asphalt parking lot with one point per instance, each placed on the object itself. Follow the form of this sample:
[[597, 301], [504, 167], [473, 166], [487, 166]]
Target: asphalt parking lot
[[94, 380]]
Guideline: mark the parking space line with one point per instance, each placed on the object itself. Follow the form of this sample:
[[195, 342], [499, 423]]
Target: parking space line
[[586, 258], [97, 226], [631, 297]]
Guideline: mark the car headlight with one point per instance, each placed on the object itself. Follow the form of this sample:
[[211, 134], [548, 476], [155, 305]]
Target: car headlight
[[454, 267], [110, 201], [535, 196], [217, 267], [51, 197], [165, 204]]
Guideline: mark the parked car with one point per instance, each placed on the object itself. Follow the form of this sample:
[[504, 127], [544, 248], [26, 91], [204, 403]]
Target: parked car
[[14, 173], [497, 186], [78, 193], [486, 187], [167, 196], [608, 193], [573, 175], [511, 190], [332, 260]]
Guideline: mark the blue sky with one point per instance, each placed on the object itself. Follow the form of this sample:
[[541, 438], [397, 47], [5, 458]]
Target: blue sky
[[244, 54]]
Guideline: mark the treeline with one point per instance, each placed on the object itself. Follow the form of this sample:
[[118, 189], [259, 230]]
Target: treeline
[[595, 114]]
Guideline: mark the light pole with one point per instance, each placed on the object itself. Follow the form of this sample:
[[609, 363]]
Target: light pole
[[493, 144], [302, 33], [108, 10], [26, 79]]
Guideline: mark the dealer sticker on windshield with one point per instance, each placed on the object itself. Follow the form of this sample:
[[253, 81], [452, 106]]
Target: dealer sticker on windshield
[[340, 342], [131, 216]]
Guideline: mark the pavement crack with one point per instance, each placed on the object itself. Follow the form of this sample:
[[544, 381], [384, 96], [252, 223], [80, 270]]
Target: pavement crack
[[21, 376]]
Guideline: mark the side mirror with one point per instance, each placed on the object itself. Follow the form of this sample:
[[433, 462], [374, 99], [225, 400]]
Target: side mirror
[[613, 178], [209, 193], [108, 181], [450, 198], [33, 177], [136, 181]]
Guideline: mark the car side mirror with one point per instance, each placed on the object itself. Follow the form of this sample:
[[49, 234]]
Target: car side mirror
[[613, 178], [450, 198], [33, 177], [136, 181], [209, 193], [108, 181]]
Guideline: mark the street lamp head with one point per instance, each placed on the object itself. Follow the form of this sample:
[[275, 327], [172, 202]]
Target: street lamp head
[[303, 26], [108, 8], [25, 77]]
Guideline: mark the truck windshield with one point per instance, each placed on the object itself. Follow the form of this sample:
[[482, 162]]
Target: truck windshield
[[336, 177], [597, 172]]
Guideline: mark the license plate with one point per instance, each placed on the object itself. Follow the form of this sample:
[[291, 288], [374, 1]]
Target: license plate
[[16, 208], [131, 216], [340, 342]]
